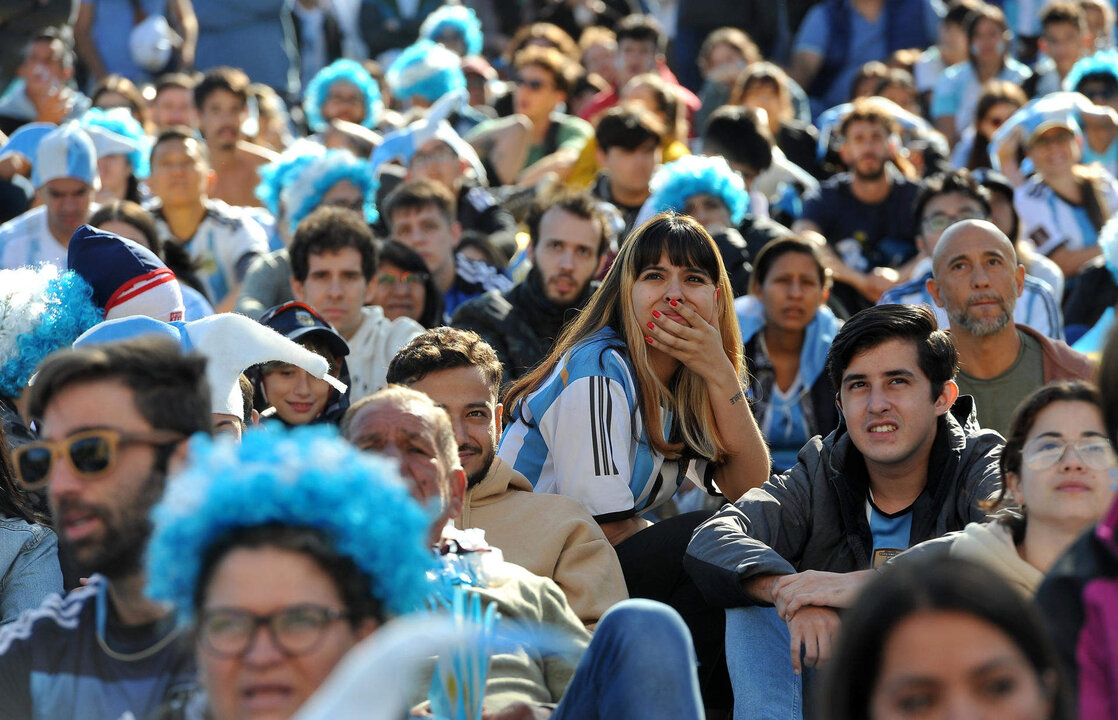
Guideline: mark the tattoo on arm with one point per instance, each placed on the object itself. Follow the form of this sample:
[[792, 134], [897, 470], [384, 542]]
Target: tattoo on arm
[[740, 396]]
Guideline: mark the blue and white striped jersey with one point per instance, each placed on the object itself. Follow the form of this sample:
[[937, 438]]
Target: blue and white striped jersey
[[581, 434]]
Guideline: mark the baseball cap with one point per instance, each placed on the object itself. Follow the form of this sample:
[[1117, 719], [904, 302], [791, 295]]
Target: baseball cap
[[151, 43], [297, 321], [65, 152]]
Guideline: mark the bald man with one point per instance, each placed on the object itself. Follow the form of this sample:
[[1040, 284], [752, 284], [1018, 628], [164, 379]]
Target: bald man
[[976, 279]]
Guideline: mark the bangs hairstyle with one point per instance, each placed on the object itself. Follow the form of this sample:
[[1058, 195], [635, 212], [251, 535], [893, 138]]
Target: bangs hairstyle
[[686, 244], [778, 248]]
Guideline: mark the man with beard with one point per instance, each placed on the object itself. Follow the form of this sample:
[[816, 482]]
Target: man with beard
[[113, 419], [976, 278], [221, 99], [863, 218], [550, 535], [569, 239]]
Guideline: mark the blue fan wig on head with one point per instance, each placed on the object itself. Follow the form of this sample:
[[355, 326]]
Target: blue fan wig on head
[[41, 310], [275, 176], [1103, 62], [310, 182], [693, 174], [427, 70], [307, 477], [121, 122], [352, 72], [454, 18]]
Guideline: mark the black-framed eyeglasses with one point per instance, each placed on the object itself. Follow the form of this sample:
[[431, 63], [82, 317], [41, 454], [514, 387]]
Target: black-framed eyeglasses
[[938, 222], [1044, 452], [411, 279], [531, 84], [92, 453], [295, 630]]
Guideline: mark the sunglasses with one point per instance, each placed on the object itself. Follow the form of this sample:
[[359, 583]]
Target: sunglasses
[[411, 279], [91, 452], [531, 84]]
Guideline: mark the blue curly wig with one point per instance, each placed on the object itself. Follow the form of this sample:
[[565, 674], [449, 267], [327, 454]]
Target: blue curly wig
[[121, 122], [305, 187], [41, 310], [352, 72], [1103, 62], [306, 477], [455, 18], [427, 70], [275, 176], [693, 174]]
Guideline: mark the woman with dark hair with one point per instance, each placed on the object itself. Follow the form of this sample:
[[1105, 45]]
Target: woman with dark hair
[[403, 287], [931, 638], [117, 91], [787, 329], [1056, 468], [997, 103], [28, 548]]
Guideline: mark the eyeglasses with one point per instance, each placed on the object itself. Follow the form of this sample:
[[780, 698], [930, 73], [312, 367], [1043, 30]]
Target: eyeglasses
[[295, 630], [1044, 452], [1095, 94], [91, 452], [531, 84], [411, 279], [938, 222]]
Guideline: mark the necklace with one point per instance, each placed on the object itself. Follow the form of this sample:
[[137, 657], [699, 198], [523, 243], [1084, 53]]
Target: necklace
[[126, 657]]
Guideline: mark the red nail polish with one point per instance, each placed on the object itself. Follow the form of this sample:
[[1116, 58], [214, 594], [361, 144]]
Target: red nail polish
[[651, 326], [673, 303], [656, 313], [648, 339]]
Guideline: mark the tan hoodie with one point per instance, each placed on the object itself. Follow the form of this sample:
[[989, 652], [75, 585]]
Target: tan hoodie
[[550, 535]]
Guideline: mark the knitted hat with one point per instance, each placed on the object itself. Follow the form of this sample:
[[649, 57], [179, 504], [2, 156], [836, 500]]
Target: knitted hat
[[127, 278], [457, 19], [231, 343]]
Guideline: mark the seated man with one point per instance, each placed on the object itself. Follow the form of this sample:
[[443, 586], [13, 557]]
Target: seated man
[[978, 281], [569, 238], [907, 464], [421, 215], [642, 666], [944, 199], [550, 535], [333, 263]]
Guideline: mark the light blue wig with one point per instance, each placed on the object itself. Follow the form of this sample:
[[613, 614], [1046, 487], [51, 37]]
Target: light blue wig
[[121, 122], [308, 183], [41, 310], [275, 176], [676, 181], [1103, 62], [352, 72], [307, 477], [454, 18], [427, 70]]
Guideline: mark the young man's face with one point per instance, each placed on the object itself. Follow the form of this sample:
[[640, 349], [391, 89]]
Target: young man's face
[[566, 255], [474, 412], [220, 119], [335, 288], [427, 231], [174, 106], [631, 170], [344, 101], [887, 402], [865, 149], [438, 162], [634, 57], [102, 521], [67, 202], [179, 172], [941, 212], [1064, 43]]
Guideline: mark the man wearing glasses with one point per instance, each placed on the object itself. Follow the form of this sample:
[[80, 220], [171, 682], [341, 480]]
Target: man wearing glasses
[[943, 200], [569, 239], [112, 419], [333, 263], [978, 281]]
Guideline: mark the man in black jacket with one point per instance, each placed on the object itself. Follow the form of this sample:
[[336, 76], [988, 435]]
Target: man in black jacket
[[907, 463], [569, 240]]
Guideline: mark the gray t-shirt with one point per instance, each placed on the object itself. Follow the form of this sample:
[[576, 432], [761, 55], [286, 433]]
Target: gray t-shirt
[[996, 399]]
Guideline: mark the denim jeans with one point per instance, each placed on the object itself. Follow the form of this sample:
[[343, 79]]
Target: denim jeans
[[757, 653], [640, 664]]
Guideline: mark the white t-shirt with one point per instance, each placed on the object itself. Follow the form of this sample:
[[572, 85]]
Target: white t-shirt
[[372, 348]]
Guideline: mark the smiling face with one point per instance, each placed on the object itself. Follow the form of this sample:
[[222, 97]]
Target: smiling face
[[474, 413], [792, 292], [266, 682], [1070, 493], [297, 396], [939, 664], [976, 278], [1054, 153], [888, 405]]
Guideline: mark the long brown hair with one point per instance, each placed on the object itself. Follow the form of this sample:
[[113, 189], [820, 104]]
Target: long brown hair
[[686, 243]]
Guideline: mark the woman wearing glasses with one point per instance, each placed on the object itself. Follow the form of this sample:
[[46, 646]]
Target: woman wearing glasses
[[1056, 468], [279, 583], [403, 287]]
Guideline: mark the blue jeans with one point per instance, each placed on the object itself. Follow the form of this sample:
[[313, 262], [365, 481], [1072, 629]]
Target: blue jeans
[[640, 664], [757, 654]]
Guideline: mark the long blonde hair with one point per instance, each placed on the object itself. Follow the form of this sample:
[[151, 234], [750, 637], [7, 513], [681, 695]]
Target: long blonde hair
[[686, 243]]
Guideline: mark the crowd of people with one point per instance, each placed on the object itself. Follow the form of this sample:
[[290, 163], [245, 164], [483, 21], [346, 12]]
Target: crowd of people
[[558, 359]]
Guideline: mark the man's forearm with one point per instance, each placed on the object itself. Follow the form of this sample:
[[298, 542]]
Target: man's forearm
[[761, 587]]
